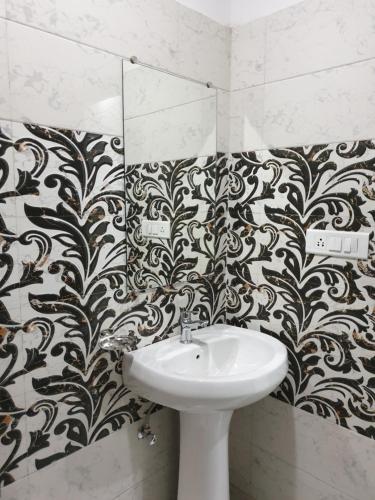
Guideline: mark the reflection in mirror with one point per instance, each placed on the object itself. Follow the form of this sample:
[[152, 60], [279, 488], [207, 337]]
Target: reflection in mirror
[[170, 157]]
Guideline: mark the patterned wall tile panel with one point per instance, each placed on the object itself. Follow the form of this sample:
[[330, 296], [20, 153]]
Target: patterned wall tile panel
[[62, 281], [182, 192], [322, 308]]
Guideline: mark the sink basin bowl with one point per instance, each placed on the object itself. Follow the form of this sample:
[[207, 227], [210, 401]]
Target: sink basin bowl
[[224, 368]]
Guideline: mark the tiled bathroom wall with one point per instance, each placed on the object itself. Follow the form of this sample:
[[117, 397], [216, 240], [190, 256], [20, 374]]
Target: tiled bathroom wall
[[303, 156], [63, 250], [299, 124], [182, 192], [170, 129]]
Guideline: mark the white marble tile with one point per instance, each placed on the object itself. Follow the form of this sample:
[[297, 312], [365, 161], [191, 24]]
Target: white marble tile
[[341, 458], [246, 120], [17, 490], [4, 73], [148, 90], [146, 29], [9, 178], [161, 485], [237, 494], [2, 8], [317, 34], [203, 49], [37, 13], [160, 32], [105, 469], [223, 121], [330, 106], [56, 82], [180, 132], [248, 54], [264, 476]]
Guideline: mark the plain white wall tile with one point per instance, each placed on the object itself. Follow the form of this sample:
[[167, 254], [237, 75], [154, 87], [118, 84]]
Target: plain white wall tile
[[2, 8], [203, 49], [340, 458], [318, 34], [223, 121], [237, 494], [17, 490], [264, 476], [4, 75], [180, 132], [160, 32], [146, 29], [57, 82], [37, 13], [159, 486], [329, 106], [246, 119], [148, 90], [247, 54], [107, 468], [118, 27]]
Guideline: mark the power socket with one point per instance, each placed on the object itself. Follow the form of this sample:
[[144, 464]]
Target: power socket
[[156, 229], [343, 244], [321, 242]]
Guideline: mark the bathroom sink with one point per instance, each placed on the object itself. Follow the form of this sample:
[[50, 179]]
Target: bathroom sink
[[225, 367]]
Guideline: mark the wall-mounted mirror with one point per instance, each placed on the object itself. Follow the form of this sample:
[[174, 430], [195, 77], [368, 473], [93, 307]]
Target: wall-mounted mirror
[[170, 158]]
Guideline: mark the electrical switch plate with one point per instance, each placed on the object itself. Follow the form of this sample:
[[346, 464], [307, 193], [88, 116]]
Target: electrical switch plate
[[344, 244], [156, 229]]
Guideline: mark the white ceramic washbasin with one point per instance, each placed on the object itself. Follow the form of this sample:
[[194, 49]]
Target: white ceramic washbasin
[[223, 369]]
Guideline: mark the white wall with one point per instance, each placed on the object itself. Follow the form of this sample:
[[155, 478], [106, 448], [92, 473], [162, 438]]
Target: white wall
[[61, 65], [284, 453], [304, 75], [244, 11], [117, 467], [237, 12], [67, 71], [166, 117], [219, 10]]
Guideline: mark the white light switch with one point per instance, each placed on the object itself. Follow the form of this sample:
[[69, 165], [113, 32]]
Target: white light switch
[[156, 229], [334, 244], [347, 245], [344, 244]]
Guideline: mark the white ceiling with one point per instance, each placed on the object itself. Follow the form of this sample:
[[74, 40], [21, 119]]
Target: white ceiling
[[236, 12]]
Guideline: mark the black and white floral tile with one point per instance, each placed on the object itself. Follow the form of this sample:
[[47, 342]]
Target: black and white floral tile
[[63, 280], [183, 193], [322, 308]]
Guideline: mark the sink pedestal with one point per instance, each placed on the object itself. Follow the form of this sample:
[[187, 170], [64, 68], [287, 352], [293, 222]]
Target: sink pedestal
[[204, 471]]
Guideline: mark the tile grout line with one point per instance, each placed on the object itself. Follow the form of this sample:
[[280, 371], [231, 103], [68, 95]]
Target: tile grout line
[[294, 466], [314, 416], [117, 55], [168, 108], [302, 75], [298, 145]]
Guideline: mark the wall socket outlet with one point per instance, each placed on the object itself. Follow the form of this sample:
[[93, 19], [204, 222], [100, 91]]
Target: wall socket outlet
[[156, 229], [343, 244]]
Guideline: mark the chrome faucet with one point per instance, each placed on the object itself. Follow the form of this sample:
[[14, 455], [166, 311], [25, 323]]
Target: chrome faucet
[[188, 324]]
